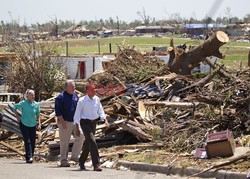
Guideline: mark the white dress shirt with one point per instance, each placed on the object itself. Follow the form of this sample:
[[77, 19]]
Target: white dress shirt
[[88, 108]]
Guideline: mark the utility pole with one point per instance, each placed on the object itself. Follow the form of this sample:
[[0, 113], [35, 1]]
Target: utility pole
[[118, 25]]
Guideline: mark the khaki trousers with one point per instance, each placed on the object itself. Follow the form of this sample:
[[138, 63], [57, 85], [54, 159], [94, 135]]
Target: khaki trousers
[[65, 135]]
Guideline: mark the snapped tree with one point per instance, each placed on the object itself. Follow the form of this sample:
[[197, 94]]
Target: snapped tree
[[182, 62]]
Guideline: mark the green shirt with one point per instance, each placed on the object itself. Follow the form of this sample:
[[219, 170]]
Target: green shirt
[[29, 112]]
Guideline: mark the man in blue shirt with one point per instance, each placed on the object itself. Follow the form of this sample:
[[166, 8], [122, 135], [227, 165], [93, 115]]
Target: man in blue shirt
[[65, 106]]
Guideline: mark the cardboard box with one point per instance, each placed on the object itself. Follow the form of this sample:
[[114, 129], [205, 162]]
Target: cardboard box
[[220, 144], [200, 153]]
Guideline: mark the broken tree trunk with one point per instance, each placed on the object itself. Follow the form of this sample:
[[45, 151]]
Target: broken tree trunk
[[186, 61], [171, 52]]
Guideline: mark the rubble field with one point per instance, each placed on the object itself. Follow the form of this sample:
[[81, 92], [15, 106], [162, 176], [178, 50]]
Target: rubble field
[[155, 115]]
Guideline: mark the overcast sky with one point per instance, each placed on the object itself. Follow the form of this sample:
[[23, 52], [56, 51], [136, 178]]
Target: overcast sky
[[44, 10]]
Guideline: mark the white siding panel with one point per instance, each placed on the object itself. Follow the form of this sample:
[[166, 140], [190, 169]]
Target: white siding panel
[[70, 64]]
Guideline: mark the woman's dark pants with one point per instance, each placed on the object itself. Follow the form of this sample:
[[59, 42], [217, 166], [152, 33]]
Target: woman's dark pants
[[29, 137]]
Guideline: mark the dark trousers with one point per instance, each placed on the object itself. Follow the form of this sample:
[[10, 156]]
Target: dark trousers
[[29, 137], [88, 129]]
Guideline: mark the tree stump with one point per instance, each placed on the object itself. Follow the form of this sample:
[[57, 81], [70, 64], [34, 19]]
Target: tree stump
[[185, 62]]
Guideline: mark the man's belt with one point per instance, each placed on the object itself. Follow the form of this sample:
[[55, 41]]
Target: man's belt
[[91, 120]]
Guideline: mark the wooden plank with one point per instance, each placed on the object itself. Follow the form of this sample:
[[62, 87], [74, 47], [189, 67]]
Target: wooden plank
[[102, 126], [44, 115], [171, 104], [137, 132], [57, 134], [139, 146], [45, 104], [79, 93], [12, 148], [116, 114], [48, 120], [5, 135], [147, 126], [5, 154], [108, 154], [144, 112]]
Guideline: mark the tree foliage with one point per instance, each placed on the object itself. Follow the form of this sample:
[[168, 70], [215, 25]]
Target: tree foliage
[[35, 67]]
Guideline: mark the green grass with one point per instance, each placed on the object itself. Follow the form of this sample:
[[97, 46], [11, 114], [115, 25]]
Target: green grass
[[235, 52], [84, 46], [139, 42]]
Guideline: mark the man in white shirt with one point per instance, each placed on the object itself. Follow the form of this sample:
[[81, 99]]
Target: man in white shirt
[[88, 111]]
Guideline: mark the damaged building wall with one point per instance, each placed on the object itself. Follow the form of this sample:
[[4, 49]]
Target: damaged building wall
[[73, 68]]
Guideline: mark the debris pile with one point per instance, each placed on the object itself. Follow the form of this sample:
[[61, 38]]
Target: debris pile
[[145, 102], [129, 66], [182, 109]]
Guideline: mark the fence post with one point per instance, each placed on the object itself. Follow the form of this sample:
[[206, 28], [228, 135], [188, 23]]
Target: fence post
[[99, 47], [93, 64], [67, 48], [110, 48]]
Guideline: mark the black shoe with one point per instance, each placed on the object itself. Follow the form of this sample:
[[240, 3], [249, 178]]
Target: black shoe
[[82, 167], [97, 168], [29, 161]]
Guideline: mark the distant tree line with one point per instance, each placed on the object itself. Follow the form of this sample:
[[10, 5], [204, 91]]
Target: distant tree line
[[57, 26]]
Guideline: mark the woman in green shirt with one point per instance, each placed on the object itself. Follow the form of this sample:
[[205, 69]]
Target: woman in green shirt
[[28, 121]]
